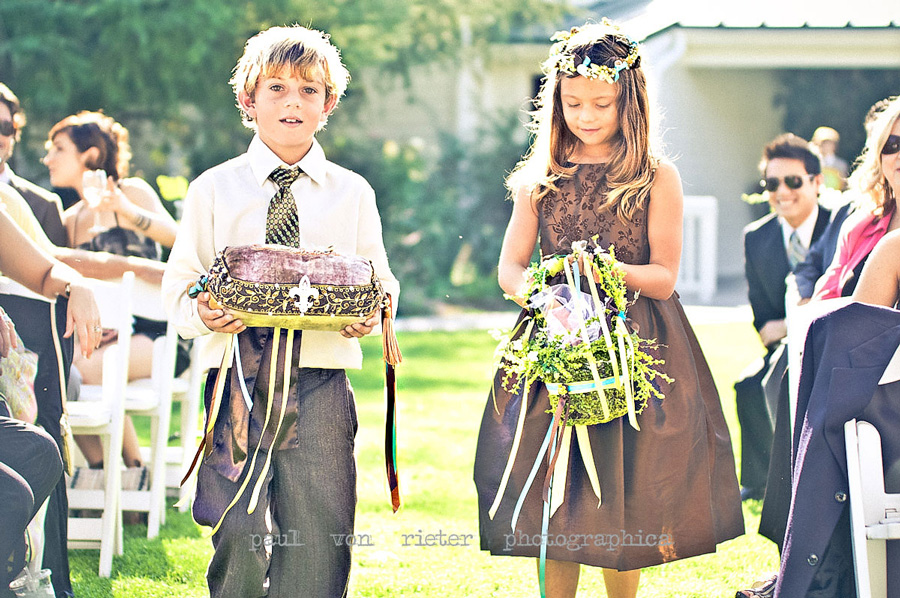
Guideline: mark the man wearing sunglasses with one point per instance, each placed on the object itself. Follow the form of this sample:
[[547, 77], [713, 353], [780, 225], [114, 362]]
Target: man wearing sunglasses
[[773, 245], [46, 206]]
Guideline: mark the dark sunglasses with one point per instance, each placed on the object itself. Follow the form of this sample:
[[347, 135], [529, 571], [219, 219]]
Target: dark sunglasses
[[7, 128], [891, 146], [793, 181]]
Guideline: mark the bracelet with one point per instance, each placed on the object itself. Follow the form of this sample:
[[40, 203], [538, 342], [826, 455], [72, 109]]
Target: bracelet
[[142, 222]]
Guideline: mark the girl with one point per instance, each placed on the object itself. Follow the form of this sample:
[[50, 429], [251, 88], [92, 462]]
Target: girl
[[669, 491], [129, 220]]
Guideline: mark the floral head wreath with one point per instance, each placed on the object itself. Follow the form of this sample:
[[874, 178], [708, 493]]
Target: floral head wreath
[[565, 62]]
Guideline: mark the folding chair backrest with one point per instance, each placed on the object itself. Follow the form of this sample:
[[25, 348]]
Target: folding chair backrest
[[799, 318]]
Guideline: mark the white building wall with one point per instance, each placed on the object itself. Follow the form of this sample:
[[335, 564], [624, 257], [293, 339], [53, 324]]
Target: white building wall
[[714, 126]]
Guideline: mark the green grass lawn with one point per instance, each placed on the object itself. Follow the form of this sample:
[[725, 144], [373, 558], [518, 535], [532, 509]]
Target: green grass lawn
[[443, 387]]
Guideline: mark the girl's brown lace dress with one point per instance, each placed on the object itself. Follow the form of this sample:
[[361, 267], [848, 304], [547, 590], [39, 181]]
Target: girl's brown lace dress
[[669, 490]]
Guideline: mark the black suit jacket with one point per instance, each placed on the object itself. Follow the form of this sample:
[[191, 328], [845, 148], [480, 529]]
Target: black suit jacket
[[766, 265], [845, 355], [47, 208]]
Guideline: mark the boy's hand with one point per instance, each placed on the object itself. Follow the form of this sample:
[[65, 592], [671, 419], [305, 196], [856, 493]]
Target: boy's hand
[[218, 320], [363, 328]]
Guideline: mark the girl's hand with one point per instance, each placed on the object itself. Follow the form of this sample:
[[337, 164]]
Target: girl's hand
[[363, 328], [7, 334], [217, 320], [83, 316]]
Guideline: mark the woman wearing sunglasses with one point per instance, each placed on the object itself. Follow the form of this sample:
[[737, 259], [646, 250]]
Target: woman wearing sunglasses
[[877, 181]]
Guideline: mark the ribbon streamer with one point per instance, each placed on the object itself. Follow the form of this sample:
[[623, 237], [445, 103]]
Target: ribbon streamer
[[584, 445], [530, 480], [545, 529], [390, 435], [285, 388], [206, 441], [520, 425], [517, 438], [592, 363], [272, 368], [561, 472]]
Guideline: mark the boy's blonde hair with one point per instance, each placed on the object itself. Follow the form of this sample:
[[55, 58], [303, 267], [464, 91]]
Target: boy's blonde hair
[[305, 52]]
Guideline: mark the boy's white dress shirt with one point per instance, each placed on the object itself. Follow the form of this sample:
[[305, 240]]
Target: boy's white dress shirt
[[227, 206]]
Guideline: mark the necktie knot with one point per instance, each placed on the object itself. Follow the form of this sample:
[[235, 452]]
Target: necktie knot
[[285, 177]]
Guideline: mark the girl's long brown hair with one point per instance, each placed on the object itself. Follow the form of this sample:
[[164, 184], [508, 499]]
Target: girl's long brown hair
[[630, 171]]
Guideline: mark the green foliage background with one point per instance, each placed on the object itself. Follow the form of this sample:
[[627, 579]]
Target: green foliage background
[[838, 98], [161, 68]]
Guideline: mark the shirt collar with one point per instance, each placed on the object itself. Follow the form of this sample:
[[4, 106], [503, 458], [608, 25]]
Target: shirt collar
[[263, 161], [804, 231], [6, 174]]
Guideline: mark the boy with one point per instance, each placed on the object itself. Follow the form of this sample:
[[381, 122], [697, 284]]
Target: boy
[[287, 82]]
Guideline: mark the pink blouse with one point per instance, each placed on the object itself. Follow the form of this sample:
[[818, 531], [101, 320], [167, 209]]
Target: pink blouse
[[853, 247]]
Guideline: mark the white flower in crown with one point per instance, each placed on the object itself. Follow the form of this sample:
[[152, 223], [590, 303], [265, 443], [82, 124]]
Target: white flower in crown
[[305, 294]]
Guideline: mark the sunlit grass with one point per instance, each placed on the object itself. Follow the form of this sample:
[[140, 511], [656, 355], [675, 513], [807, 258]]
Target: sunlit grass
[[443, 388]]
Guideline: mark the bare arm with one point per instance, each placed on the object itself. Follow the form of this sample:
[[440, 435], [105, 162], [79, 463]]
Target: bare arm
[[664, 229], [879, 283], [26, 263], [518, 246], [103, 265], [138, 203]]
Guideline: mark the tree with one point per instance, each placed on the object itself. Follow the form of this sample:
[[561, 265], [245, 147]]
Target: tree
[[161, 67], [167, 62]]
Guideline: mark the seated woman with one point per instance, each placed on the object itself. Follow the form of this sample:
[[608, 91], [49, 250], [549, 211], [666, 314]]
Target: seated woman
[[26, 481], [128, 219], [877, 182]]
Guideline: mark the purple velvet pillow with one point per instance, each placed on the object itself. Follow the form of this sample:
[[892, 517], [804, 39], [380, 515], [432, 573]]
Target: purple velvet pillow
[[281, 264]]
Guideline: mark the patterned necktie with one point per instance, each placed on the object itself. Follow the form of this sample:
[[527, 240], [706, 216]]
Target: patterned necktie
[[282, 221], [796, 251]]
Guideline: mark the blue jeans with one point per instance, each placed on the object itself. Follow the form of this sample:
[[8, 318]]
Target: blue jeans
[[310, 491]]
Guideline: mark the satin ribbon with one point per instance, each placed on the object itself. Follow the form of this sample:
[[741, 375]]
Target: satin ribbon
[[390, 435], [206, 442], [558, 437], [545, 523], [285, 388], [273, 364], [517, 438]]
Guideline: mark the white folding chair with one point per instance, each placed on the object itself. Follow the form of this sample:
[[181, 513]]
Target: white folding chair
[[105, 418], [185, 389], [799, 318], [874, 514], [152, 397]]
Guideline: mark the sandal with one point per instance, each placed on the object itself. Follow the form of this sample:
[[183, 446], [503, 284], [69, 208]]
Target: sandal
[[760, 589]]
